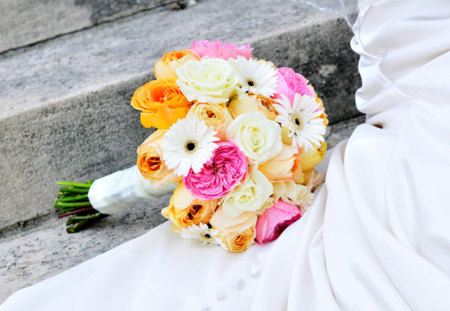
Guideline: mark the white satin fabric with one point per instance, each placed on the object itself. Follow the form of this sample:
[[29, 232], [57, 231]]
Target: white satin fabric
[[377, 236], [116, 192]]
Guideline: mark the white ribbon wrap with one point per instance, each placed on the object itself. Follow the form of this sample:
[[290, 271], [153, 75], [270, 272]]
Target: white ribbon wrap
[[120, 190]]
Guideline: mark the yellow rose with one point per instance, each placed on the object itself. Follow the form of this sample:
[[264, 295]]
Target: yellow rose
[[285, 138], [184, 210], [161, 102], [215, 115], [313, 157], [237, 233], [286, 165], [250, 102], [150, 163], [167, 66]]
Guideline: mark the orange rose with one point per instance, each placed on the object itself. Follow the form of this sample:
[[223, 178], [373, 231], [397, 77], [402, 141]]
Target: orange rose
[[237, 233], [150, 163], [184, 210], [161, 102], [166, 67], [286, 165]]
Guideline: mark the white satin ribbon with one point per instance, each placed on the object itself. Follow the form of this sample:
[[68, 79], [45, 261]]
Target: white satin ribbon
[[120, 190]]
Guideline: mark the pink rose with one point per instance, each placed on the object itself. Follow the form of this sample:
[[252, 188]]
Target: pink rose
[[291, 83], [227, 167], [275, 220], [220, 50]]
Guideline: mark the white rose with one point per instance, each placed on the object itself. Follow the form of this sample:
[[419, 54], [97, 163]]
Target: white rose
[[250, 196], [258, 137], [210, 80]]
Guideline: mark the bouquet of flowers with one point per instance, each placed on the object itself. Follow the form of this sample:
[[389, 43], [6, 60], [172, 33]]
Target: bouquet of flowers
[[236, 137]]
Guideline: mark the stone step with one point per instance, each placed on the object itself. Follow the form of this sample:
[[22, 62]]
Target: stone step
[[27, 22], [64, 103], [39, 251]]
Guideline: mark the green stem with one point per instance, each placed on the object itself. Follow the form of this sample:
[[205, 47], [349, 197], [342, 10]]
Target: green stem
[[74, 184], [76, 190], [77, 197], [79, 222], [74, 219], [74, 204], [63, 191]]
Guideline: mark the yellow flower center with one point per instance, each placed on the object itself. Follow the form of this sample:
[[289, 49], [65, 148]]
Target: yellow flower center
[[295, 119]]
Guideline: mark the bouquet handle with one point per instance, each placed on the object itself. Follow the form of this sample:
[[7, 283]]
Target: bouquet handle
[[89, 202], [118, 191]]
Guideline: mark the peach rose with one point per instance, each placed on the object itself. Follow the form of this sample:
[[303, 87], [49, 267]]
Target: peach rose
[[237, 233], [293, 193], [215, 115], [150, 163], [184, 210], [313, 179], [251, 102], [166, 67], [161, 102], [286, 165]]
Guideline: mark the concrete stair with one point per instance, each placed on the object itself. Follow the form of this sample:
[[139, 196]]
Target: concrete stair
[[65, 112], [26, 22]]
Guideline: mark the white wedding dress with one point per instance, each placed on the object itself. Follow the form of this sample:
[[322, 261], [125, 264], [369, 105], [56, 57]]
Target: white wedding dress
[[377, 236]]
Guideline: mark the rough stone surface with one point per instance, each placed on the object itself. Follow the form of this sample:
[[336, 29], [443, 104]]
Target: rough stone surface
[[64, 104], [37, 252], [25, 22], [85, 138], [88, 60]]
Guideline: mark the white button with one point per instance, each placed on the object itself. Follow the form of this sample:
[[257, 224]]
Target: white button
[[254, 271], [221, 295], [205, 308], [240, 284]]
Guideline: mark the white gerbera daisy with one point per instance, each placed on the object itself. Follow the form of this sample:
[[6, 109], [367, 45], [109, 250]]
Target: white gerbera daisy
[[189, 143], [255, 76], [202, 233], [301, 119]]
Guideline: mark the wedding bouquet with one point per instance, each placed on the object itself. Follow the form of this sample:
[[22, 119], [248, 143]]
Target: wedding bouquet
[[236, 138]]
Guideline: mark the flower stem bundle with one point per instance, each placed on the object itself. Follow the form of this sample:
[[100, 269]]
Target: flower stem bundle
[[73, 202]]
